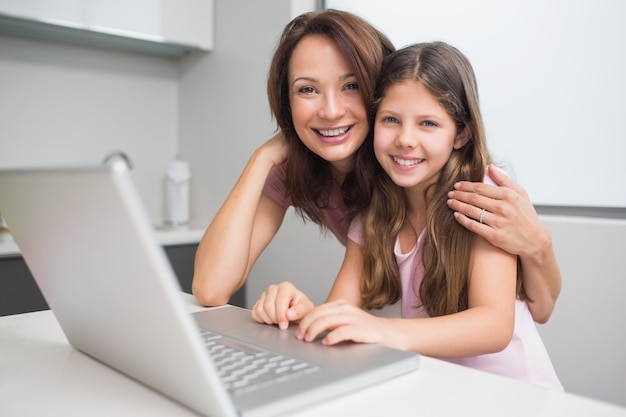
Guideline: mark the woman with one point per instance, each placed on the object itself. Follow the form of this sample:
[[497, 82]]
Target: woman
[[320, 87]]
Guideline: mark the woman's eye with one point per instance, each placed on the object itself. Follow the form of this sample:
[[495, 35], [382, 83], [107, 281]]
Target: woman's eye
[[306, 90], [352, 86], [428, 123]]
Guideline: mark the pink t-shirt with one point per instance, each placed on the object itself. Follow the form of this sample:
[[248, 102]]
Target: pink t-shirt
[[525, 358], [333, 216]]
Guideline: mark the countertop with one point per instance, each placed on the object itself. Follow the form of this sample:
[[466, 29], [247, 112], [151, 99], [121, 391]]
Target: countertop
[[165, 235]]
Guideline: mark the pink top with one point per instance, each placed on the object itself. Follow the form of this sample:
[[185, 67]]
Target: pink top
[[332, 216], [525, 358]]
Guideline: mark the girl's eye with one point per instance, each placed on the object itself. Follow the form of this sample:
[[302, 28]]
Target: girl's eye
[[352, 86], [428, 123], [390, 119]]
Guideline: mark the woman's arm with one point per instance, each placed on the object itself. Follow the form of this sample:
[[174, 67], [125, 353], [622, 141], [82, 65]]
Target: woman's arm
[[245, 224], [485, 327], [510, 222]]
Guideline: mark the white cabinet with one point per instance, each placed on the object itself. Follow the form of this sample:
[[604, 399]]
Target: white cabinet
[[162, 27]]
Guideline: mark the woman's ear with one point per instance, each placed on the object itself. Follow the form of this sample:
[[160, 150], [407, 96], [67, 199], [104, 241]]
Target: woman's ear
[[462, 138]]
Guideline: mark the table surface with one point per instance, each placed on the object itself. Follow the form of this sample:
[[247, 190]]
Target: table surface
[[41, 374]]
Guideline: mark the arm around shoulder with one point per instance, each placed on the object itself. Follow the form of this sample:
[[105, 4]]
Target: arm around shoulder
[[505, 216], [542, 277]]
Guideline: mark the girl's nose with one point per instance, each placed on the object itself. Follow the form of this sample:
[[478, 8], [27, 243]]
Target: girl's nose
[[407, 138]]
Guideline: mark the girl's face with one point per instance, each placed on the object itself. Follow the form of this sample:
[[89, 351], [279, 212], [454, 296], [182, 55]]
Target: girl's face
[[413, 135], [327, 109]]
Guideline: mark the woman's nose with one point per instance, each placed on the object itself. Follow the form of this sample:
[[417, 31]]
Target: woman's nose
[[332, 107]]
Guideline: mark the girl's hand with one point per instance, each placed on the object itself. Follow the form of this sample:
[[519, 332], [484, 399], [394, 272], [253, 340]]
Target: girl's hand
[[509, 221], [343, 322], [281, 304]]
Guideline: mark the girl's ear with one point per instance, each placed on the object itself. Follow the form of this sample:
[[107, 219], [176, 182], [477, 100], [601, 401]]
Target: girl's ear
[[462, 138]]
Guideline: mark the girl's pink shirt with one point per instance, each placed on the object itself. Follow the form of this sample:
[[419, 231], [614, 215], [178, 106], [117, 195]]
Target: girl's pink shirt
[[525, 358]]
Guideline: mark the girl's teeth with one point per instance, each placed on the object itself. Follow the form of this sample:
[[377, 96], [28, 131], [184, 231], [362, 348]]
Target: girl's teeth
[[405, 162]]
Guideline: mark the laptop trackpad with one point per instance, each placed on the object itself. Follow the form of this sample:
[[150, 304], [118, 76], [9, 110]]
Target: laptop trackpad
[[236, 323]]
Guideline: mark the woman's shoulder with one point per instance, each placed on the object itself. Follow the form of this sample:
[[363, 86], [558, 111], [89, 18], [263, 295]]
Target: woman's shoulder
[[275, 186]]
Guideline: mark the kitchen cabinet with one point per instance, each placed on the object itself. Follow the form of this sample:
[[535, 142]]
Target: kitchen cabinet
[[18, 291], [181, 257], [158, 27]]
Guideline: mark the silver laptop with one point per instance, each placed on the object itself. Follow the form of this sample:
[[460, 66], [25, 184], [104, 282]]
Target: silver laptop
[[86, 238]]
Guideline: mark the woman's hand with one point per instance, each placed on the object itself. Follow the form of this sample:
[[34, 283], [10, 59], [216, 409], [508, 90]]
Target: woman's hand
[[281, 304], [509, 220], [506, 218], [275, 149], [343, 322]]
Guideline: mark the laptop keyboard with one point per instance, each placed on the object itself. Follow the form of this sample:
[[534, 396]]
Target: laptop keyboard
[[244, 368]]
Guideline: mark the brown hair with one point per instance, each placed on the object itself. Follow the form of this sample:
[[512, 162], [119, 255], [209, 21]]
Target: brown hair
[[309, 179], [447, 246]]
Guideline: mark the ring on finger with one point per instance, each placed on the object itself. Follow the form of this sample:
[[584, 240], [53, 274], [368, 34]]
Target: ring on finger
[[482, 213]]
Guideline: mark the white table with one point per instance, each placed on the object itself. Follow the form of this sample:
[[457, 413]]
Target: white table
[[41, 374]]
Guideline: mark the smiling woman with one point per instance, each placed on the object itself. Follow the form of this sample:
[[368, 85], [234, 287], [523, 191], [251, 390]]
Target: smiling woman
[[320, 85], [327, 108]]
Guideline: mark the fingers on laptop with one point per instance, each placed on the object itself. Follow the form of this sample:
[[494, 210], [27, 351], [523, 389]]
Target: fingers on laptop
[[281, 304]]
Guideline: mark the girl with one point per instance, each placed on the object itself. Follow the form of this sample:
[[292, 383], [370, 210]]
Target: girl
[[320, 87], [462, 298]]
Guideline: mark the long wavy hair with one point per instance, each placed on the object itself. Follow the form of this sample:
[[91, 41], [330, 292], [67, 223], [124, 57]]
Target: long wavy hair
[[447, 245], [309, 178]]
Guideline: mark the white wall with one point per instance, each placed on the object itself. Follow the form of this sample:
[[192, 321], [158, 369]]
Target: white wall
[[223, 109], [551, 82], [66, 104]]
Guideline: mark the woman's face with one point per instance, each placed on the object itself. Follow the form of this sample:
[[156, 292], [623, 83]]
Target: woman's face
[[326, 105]]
